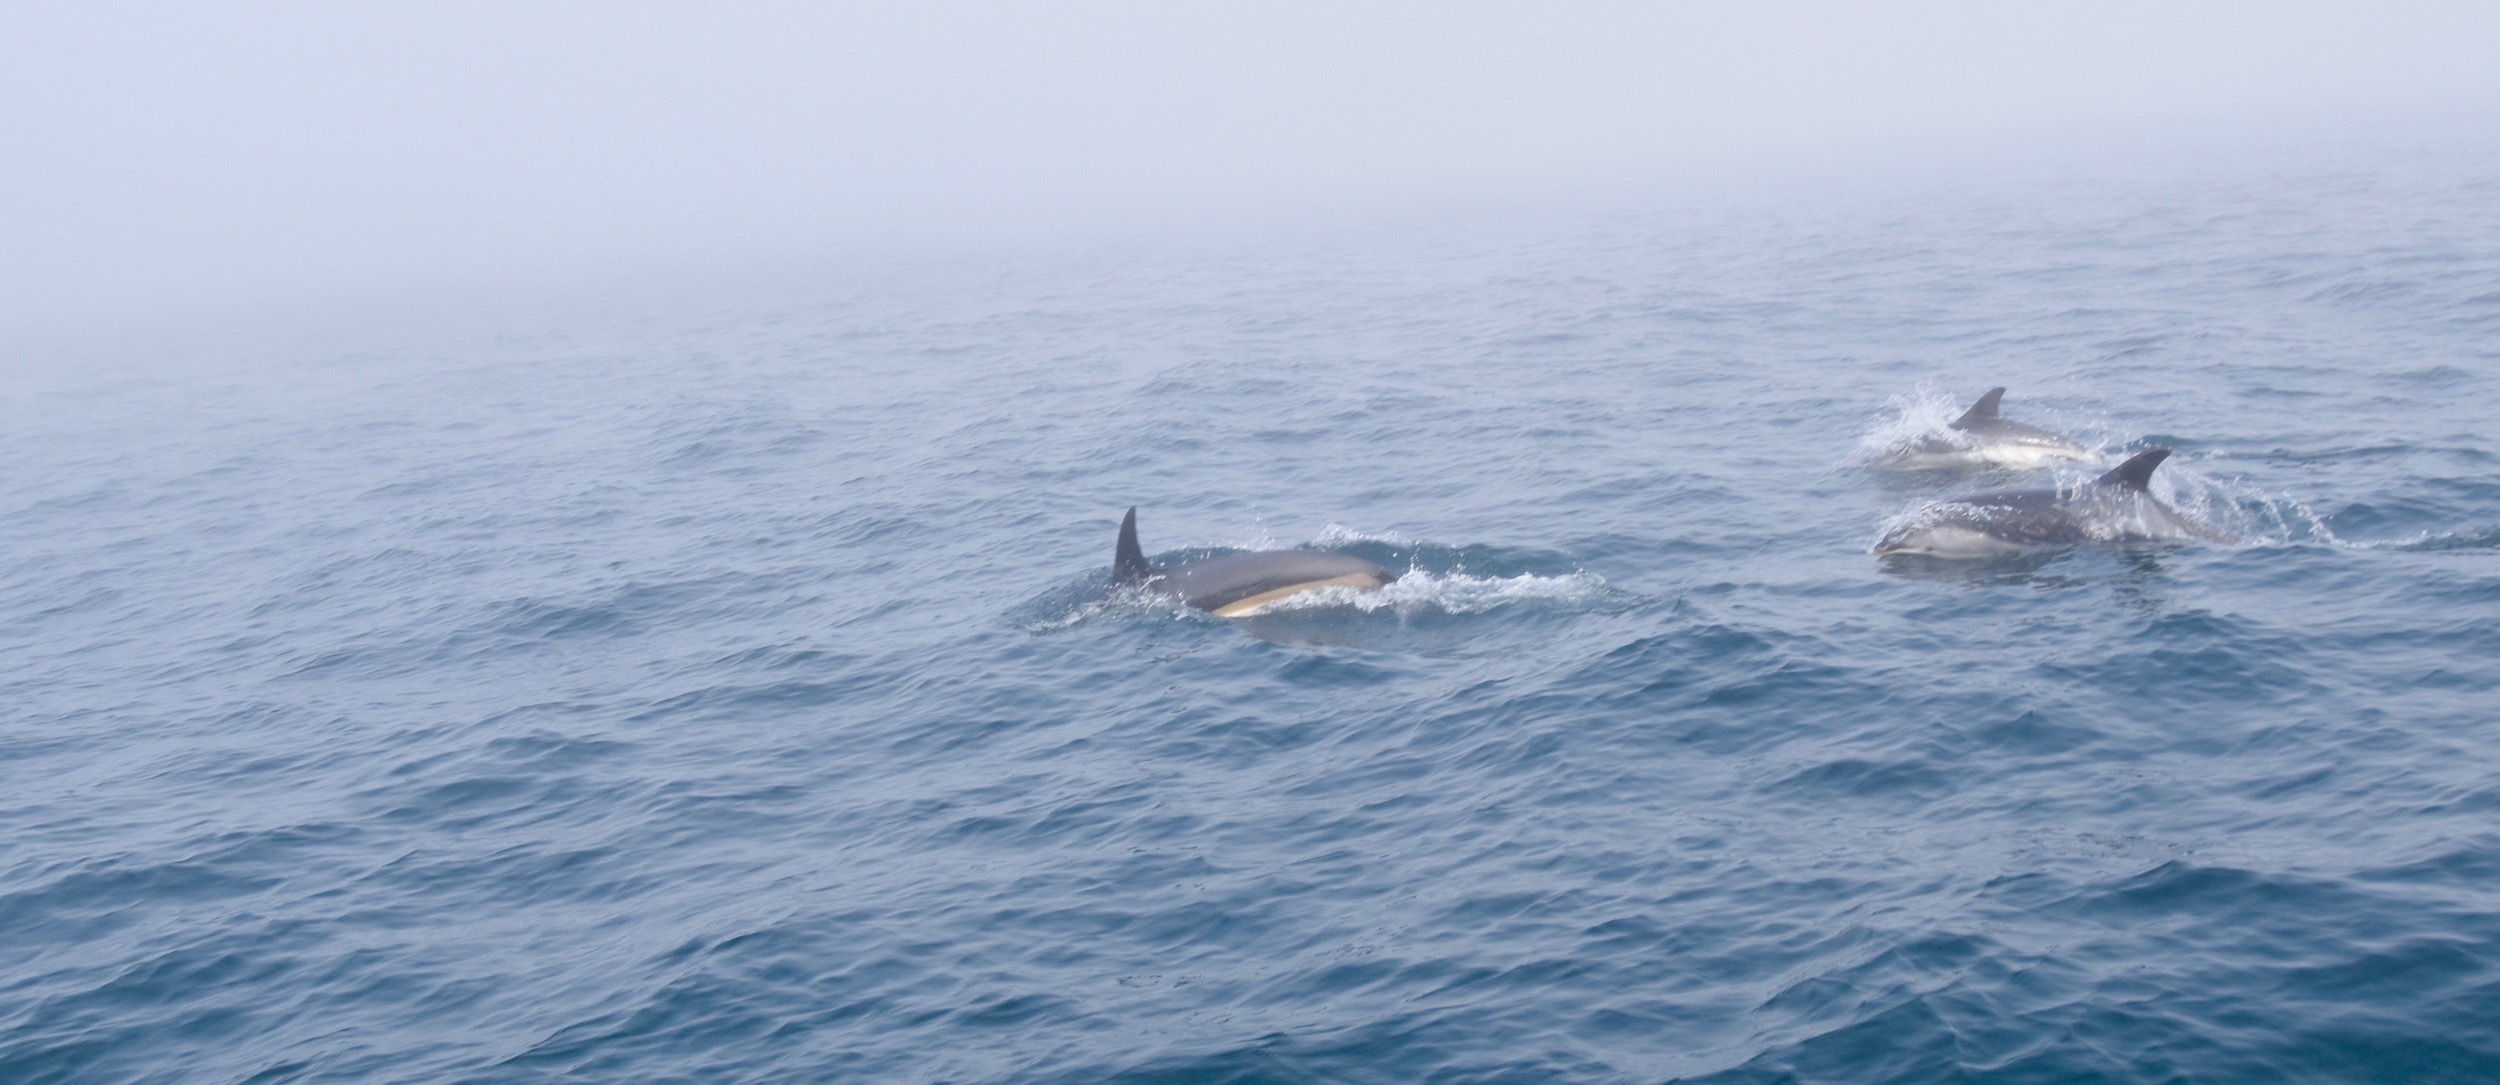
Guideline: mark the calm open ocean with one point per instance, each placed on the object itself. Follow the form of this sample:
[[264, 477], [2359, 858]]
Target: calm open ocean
[[730, 694]]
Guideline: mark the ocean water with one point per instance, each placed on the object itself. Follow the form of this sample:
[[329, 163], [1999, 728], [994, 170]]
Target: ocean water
[[731, 693]]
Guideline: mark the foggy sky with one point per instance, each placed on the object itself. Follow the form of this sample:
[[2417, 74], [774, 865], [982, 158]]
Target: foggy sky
[[158, 157]]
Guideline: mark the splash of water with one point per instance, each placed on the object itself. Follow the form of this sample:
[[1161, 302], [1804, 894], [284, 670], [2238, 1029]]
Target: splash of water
[[1336, 535], [1923, 414], [2485, 539], [1456, 592], [2232, 504]]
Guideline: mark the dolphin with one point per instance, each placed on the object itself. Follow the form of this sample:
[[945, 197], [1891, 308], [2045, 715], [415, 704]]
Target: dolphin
[[2114, 508], [1981, 437], [1240, 585]]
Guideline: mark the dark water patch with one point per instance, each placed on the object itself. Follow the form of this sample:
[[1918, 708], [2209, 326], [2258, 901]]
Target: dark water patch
[[2365, 520], [857, 527], [742, 699], [2439, 376], [2470, 865], [2366, 292], [90, 898], [2194, 658], [1862, 778], [2036, 732], [1723, 688], [2008, 570]]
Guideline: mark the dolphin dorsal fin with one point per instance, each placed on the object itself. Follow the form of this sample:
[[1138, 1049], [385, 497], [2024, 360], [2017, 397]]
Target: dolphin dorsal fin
[[1983, 411], [1128, 563], [2137, 471]]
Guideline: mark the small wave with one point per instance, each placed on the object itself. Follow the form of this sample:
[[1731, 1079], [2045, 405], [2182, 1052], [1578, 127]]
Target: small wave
[[1074, 604], [2430, 542]]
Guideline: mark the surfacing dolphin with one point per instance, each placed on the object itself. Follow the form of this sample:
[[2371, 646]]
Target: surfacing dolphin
[[1981, 438], [2114, 508], [1240, 585]]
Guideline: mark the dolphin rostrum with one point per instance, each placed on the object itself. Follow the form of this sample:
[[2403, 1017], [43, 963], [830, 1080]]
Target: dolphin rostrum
[[1240, 585], [2114, 508], [1981, 437]]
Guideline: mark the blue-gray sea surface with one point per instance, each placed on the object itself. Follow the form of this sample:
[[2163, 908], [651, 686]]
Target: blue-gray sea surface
[[731, 694]]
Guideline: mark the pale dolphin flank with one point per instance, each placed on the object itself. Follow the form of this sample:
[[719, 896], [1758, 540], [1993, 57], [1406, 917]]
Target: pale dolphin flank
[[2114, 508], [1241, 585], [1981, 438]]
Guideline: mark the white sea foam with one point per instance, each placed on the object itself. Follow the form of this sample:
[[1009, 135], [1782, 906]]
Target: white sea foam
[[1417, 591], [1264, 540], [2486, 539], [1455, 592], [1341, 535]]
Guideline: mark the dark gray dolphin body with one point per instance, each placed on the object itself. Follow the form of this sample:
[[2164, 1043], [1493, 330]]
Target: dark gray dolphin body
[[1981, 437], [1240, 585], [2114, 508]]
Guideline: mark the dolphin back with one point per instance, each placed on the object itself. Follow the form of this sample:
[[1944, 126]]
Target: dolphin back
[[1228, 583], [1128, 561], [2137, 472], [1983, 438], [1982, 412]]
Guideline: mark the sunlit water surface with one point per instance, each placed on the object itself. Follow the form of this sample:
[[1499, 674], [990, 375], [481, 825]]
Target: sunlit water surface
[[732, 693]]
